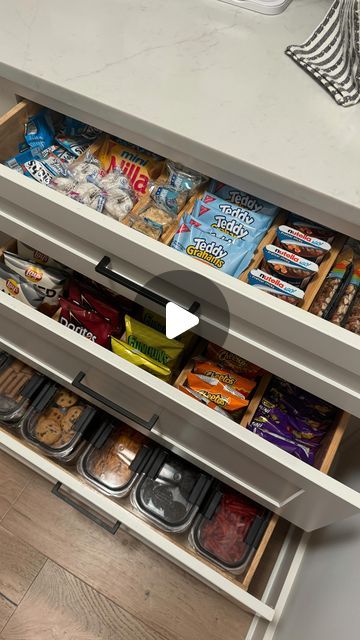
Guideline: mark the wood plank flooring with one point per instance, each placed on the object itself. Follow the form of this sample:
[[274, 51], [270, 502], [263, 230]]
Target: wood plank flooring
[[64, 578]]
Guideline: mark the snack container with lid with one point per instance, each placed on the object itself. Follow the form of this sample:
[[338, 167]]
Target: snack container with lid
[[114, 458], [57, 421], [229, 528], [19, 383], [170, 491]]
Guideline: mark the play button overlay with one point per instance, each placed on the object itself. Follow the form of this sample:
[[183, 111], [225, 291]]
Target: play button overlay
[[178, 320]]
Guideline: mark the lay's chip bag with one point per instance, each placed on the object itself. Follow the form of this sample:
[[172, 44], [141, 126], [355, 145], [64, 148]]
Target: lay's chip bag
[[152, 343]]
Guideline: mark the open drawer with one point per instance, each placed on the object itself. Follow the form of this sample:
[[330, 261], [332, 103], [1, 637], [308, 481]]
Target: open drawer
[[289, 341], [301, 494], [257, 591]]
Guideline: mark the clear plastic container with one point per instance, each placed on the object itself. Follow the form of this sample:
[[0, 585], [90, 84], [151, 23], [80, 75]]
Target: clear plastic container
[[56, 421], [114, 458], [19, 383], [229, 529], [170, 492]]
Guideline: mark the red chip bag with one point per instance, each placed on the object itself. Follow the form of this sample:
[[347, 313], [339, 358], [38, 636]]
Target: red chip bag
[[91, 300], [89, 324]]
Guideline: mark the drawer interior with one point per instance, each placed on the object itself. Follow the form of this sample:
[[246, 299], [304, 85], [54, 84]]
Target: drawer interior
[[12, 127]]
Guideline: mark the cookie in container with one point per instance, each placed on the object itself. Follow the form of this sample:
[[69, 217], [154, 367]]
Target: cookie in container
[[56, 422], [170, 491], [114, 458], [19, 383], [229, 529]]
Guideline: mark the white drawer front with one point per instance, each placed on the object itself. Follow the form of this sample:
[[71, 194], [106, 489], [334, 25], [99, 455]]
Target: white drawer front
[[298, 492], [288, 341]]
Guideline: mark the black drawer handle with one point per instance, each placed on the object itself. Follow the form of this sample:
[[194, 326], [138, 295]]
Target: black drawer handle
[[103, 268], [84, 511], [147, 424]]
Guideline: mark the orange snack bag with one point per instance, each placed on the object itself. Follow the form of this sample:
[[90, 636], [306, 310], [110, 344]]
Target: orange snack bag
[[215, 391], [138, 166], [232, 361], [227, 377]]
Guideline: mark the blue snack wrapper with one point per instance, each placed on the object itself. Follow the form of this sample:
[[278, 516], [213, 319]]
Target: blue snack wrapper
[[302, 244], [39, 131], [42, 167], [168, 198], [242, 199], [76, 146], [275, 286], [75, 129]]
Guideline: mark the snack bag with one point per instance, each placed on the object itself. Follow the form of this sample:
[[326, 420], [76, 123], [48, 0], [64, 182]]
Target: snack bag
[[18, 287], [183, 178], [157, 322], [222, 395], [352, 322], [288, 265], [326, 296], [233, 361], [138, 166], [159, 217], [91, 300], [74, 146], [242, 199], [89, 324], [41, 166], [339, 312], [276, 287], [169, 198], [195, 394], [50, 281], [256, 222], [152, 343], [34, 255], [302, 244], [39, 130], [140, 359], [229, 378], [310, 228], [73, 127]]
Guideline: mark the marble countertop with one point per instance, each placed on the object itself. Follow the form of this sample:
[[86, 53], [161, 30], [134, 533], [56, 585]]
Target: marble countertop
[[199, 76]]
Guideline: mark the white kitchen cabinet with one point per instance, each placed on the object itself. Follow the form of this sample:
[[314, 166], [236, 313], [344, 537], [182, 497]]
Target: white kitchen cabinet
[[205, 96]]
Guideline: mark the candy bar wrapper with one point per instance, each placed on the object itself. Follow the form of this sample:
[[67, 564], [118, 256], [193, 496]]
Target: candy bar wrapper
[[276, 287], [153, 343], [18, 287], [227, 377], [302, 244], [133, 355], [310, 228], [288, 266], [168, 198], [233, 361], [300, 451], [50, 281], [39, 130], [217, 392], [184, 179], [242, 199], [326, 297], [86, 323]]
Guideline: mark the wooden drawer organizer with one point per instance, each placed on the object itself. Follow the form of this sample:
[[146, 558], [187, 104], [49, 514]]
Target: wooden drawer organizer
[[331, 442]]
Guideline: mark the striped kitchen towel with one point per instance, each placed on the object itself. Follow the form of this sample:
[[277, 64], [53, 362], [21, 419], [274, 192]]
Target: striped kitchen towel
[[332, 53]]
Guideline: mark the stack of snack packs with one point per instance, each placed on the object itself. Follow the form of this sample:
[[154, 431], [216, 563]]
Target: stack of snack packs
[[223, 233], [222, 380]]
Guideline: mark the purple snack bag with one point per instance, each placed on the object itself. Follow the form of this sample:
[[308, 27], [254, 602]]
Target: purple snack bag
[[300, 451]]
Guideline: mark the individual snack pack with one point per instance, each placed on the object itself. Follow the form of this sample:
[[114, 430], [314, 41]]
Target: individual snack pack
[[310, 228], [352, 322], [18, 287], [73, 127], [202, 398], [19, 384], [34, 255], [341, 308], [210, 369], [275, 286], [90, 324], [39, 130], [75, 146], [254, 222], [91, 300], [182, 178], [56, 421], [133, 355], [152, 343], [326, 296], [157, 322], [169, 198], [138, 166], [224, 396], [288, 266], [302, 244], [229, 529], [114, 458], [242, 199], [170, 492], [42, 166], [316, 413], [50, 281], [233, 361], [157, 217], [149, 227]]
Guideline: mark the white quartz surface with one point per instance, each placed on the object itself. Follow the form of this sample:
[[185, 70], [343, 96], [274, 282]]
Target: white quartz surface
[[198, 75]]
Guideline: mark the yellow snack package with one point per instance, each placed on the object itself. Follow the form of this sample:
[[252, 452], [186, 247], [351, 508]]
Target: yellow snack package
[[130, 354], [138, 166], [152, 343], [155, 321]]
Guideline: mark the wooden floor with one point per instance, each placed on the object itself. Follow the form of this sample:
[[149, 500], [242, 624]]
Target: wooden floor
[[64, 578]]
